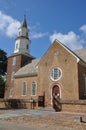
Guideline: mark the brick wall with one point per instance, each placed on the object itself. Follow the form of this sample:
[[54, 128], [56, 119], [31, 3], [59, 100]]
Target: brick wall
[[17, 103], [21, 59], [81, 72], [69, 83], [57, 56], [68, 106], [74, 106], [18, 88]]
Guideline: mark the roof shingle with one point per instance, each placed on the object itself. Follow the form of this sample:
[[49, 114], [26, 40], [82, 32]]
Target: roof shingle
[[29, 69]]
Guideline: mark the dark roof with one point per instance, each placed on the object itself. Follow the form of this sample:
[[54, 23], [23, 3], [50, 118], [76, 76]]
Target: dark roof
[[22, 37], [30, 69], [24, 23], [21, 53], [81, 53]]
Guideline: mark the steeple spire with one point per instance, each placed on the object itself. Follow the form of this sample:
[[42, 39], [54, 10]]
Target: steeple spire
[[22, 42], [24, 23]]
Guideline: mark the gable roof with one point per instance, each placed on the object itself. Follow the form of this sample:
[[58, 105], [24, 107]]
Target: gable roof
[[81, 53], [78, 58], [30, 69], [70, 51], [76, 55]]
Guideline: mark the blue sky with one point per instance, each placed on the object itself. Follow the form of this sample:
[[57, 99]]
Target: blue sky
[[47, 20]]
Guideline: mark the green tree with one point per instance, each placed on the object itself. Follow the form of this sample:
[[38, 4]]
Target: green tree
[[3, 62], [3, 69], [2, 87]]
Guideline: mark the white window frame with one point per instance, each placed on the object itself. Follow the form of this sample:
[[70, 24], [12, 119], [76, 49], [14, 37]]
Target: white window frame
[[11, 93], [32, 89], [12, 75], [55, 75], [19, 33], [14, 61], [17, 46], [27, 46], [24, 89]]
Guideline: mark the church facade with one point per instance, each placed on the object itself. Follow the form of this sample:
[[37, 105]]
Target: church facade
[[56, 81]]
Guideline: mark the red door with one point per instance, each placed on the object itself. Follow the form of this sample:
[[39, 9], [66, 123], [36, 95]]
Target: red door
[[56, 91], [56, 98]]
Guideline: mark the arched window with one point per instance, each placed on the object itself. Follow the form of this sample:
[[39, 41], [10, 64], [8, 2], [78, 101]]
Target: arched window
[[33, 89], [14, 61], [27, 46], [16, 46], [24, 89], [12, 75], [11, 92]]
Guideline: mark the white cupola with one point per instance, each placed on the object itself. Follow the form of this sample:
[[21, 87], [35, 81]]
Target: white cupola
[[22, 42]]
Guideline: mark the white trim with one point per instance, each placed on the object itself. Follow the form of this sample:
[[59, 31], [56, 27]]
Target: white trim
[[14, 61], [12, 75], [11, 93], [52, 70], [68, 50]]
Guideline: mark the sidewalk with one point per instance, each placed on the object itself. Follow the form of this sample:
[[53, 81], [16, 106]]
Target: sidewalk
[[24, 112], [44, 120]]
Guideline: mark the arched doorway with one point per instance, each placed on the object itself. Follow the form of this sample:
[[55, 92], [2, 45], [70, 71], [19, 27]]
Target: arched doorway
[[56, 98]]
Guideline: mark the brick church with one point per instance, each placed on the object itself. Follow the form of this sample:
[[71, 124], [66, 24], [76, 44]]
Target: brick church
[[56, 81]]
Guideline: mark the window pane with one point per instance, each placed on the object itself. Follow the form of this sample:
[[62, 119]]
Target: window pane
[[11, 92], [12, 75], [24, 89], [14, 60], [55, 73], [33, 88], [16, 46]]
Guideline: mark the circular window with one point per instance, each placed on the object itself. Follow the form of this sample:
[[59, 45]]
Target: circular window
[[55, 73]]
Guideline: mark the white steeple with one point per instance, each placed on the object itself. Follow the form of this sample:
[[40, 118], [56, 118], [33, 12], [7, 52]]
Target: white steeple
[[22, 42]]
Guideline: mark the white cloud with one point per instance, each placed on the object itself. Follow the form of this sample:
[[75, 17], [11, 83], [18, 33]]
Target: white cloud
[[36, 35], [71, 40], [83, 28], [8, 25]]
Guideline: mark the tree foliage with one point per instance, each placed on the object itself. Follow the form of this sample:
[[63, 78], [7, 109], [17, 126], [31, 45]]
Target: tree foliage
[[3, 69], [3, 62], [2, 87]]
